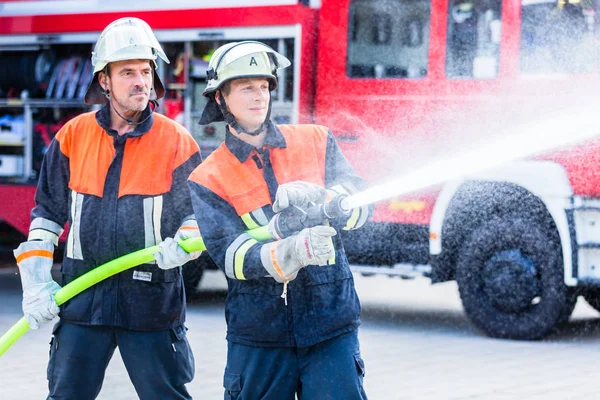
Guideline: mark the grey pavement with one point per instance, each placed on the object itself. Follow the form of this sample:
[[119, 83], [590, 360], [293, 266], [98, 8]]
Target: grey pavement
[[415, 339]]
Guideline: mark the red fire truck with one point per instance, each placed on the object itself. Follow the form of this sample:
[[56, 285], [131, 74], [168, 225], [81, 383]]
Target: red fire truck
[[401, 83]]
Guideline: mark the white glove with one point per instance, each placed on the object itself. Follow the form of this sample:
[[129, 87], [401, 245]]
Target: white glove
[[311, 246], [298, 193], [35, 259], [172, 255]]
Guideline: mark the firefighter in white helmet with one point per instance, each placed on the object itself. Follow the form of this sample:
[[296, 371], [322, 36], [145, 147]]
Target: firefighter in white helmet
[[125, 39], [118, 177], [292, 311]]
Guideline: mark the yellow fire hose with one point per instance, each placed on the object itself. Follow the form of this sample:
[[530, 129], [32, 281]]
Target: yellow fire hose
[[107, 270]]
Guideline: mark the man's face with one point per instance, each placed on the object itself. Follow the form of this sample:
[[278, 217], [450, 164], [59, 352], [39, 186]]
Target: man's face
[[248, 101], [129, 84]]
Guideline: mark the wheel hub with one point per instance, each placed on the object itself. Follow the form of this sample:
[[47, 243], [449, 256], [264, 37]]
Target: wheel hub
[[510, 280]]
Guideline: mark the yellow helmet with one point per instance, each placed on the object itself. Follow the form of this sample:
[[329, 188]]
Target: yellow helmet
[[124, 39]]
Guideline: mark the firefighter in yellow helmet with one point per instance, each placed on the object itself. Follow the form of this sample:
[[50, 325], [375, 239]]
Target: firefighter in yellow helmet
[[292, 312], [118, 177]]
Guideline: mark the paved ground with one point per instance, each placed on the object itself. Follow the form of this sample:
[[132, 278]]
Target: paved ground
[[415, 339]]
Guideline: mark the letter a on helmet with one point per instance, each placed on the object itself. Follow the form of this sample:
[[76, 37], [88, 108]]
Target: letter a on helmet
[[236, 60], [124, 39]]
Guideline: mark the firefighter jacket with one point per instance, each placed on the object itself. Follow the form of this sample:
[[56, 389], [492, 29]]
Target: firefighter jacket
[[233, 190], [119, 194]]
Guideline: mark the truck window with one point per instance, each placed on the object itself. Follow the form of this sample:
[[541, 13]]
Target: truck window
[[558, 37], [473, 43], [388, 38]]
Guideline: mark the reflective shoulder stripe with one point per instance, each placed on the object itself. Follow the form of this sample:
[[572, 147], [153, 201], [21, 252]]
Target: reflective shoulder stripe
[[45, 229], [235, 254], [74, 239]]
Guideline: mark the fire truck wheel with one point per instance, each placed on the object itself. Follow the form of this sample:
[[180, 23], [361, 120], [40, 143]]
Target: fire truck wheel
[[510, 278]]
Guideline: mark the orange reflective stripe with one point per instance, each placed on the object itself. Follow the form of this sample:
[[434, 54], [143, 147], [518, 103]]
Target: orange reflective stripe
[[34, 253], [274, 261]]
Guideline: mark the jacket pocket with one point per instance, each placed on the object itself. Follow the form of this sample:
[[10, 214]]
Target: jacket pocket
[[232, 383], [52, 352], [256, 312], [332, 300], [184, 369]]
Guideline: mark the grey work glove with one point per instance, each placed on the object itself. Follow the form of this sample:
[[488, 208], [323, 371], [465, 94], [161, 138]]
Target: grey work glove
[[171, 254], [299, 194], [311, 246], [35, 259]]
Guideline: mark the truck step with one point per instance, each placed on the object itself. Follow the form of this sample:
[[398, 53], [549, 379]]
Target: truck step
[[405, 271]]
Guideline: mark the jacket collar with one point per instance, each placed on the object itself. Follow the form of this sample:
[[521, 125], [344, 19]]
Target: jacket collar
[[242, 150], [103, 119]]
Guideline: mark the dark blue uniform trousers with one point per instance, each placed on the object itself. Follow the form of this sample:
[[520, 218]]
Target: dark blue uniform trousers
[[159, 363], [331, 370]]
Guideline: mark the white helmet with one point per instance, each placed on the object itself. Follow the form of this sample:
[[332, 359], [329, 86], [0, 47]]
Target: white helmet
[[236, 60], [124, 39], [243, 60]]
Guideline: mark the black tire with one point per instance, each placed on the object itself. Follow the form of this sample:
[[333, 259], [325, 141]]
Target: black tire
[[592, 296], [510, 278]]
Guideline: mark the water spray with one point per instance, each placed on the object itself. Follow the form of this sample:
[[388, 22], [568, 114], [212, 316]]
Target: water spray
[[561, 129], [523, 141]]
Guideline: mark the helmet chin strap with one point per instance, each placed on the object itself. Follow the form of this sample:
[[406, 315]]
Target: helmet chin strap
[[129, 120], [231, 121]]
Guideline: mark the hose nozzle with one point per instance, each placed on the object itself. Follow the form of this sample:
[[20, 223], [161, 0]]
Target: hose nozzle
[[336, 207], [293, 219]]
